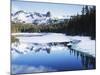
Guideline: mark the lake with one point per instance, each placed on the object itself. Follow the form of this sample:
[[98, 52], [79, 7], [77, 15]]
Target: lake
[[32, 57]]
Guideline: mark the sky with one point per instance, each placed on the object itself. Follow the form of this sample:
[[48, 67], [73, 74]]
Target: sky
[[57, 10]]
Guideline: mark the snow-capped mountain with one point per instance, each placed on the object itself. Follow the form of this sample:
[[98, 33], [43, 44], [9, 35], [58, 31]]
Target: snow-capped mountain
[[33, 17]]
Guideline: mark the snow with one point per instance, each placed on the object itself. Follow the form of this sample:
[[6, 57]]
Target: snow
[[28, 34], [40, 40], [29, 17], [46, 38], [86, 45]]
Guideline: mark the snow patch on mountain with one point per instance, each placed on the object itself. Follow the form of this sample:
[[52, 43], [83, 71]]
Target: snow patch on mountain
[[30, 17], [34, 17]]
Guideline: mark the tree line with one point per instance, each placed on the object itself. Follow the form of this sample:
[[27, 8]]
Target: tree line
[[84, 24]]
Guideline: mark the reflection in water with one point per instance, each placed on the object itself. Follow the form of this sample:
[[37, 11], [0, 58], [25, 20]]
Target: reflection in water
[[77, 54], [87, 61], [68, 59], [43, 49]]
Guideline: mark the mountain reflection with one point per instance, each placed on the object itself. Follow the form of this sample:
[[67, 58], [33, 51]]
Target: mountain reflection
[[87, 61]]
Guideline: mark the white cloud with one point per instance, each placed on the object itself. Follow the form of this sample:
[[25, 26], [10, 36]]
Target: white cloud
[[20, 69]]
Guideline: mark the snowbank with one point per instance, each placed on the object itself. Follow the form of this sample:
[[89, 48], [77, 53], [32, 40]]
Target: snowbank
[[46, 38], [86, 45]]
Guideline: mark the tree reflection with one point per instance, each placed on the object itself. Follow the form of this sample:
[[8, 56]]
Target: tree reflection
[[87, 61], [77, 53]]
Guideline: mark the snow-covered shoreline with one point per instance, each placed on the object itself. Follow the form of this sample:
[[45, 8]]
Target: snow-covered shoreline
[[27, 34], [46, 38], [86, 45]]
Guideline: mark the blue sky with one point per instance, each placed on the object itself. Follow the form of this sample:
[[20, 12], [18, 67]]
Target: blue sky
[[57, 10]]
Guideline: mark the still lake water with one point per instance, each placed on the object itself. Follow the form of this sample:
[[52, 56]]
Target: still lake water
[[61, 60]]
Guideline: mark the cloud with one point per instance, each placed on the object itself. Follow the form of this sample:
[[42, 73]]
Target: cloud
[[20, 69]]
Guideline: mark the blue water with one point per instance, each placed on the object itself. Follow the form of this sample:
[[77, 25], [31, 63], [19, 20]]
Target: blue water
[[60, 60]]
